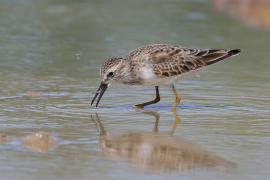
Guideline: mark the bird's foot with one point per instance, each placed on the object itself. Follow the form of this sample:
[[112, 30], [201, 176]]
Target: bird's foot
[[139, 106], [177, 99], [177, 102], [177, 121]]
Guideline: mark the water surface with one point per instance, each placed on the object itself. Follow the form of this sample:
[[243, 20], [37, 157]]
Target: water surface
[[50, 55]]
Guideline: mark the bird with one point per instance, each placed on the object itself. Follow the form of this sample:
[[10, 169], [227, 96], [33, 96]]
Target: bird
[[157, 65]]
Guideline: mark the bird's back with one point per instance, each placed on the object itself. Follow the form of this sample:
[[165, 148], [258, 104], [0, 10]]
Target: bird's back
[[170, 60]]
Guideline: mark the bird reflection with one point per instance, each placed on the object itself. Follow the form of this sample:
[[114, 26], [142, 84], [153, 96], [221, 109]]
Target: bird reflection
[[157, 151]]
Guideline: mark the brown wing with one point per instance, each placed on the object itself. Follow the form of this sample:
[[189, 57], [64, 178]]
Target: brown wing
[[172, 61], [146, 50], [155, 53]]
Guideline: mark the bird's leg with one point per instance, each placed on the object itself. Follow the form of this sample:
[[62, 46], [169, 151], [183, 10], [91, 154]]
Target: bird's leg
[[177, 99], [177, 121], [176, 103], [157, 99]]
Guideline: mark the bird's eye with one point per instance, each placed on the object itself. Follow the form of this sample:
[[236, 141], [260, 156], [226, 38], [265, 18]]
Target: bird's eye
[[110, 74]]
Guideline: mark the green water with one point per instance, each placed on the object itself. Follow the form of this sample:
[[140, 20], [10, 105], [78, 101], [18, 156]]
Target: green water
[[50, 58]]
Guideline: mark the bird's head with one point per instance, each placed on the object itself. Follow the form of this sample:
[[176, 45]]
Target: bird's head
[[109, 72]]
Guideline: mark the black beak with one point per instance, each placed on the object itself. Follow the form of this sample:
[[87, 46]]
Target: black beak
[[101, 90]]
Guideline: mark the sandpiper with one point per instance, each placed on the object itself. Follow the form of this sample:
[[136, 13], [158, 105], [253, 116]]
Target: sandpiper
[[157, 65]]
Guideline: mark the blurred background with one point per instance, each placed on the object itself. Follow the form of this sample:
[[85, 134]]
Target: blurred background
[[51, 52]]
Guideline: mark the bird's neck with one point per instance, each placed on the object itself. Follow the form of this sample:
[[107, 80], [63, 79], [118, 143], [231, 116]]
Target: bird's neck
[[125, 75]]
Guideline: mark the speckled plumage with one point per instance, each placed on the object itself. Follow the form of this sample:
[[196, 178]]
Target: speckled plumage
[[150, 64], [156, 65]]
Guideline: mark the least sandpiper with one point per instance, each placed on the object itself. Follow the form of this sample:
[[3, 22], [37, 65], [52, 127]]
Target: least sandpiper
[[157, 65]]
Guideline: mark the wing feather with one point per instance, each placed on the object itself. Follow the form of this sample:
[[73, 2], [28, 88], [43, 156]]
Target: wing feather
[[170, 60]]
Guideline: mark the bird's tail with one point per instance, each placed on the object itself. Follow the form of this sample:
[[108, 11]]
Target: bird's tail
[[216, 55]]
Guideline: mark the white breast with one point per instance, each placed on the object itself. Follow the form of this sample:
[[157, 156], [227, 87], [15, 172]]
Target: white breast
[[150, 79], [147, 73]]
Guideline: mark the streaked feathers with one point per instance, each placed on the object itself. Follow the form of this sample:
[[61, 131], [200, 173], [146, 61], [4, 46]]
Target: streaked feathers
[[155, 65], [164, 61]]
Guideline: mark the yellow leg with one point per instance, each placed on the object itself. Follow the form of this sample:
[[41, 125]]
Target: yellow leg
[[177, 99], [177, 121]]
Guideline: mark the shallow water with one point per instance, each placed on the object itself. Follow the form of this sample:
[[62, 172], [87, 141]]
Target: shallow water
[[50, 55]]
